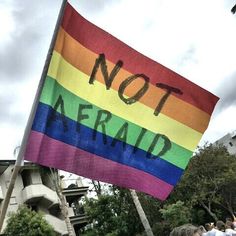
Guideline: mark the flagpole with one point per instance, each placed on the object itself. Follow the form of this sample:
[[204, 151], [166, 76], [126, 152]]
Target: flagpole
[[20, 157]]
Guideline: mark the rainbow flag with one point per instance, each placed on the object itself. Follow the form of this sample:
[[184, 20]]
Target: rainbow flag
[[109, 113]]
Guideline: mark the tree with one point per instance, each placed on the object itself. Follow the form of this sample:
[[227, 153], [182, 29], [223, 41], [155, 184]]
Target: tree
[[97, 187], [210, 181], [151, 207], [112, 214], [25, 222], [62, 200], [171, 214], [207, 192], [141, 213]]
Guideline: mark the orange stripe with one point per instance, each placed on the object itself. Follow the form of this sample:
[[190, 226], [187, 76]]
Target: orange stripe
[[84, 59]]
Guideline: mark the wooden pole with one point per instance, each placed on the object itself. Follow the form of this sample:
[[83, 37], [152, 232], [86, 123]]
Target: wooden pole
[[63, 203], [20, 158], [141, 213]]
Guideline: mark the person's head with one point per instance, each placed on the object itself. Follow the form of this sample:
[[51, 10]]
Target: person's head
[[228, 219], [185, 230], [201, 229], [209, 226], [229, 225], [220, 225]]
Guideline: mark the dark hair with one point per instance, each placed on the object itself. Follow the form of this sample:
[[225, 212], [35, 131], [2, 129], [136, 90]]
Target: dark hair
[[228, 219], [220, 225], [209, 226], [201, 229], [184, 230], [229, 225]]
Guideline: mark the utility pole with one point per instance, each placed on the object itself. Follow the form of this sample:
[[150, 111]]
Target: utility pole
[[62, 200], [141, 213]]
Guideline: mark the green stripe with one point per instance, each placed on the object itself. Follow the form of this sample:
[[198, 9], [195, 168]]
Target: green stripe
[[51, 92]]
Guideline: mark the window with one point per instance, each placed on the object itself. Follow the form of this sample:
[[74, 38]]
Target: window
[[13, 201], [26, 178]]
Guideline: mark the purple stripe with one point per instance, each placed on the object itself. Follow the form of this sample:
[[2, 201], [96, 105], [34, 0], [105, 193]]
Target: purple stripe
[[50, 152]]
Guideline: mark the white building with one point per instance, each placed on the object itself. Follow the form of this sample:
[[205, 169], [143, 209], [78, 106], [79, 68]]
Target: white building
[[229, 141], [34, 187]]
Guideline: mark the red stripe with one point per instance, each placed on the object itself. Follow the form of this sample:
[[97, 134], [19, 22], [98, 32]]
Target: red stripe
[[99, 41], [49, 152]]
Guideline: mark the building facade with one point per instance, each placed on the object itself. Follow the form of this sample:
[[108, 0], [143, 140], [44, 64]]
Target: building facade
[[34, 187], [229, 141]]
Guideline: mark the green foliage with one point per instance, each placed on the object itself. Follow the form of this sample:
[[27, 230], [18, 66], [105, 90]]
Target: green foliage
[[113, 214], [176, 214], [209, 181], [151, 207], [207, 192], [199, 216], [161, 228], [26, 222]]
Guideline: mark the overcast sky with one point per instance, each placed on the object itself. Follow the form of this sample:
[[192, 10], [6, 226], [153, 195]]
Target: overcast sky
[[196, 39]]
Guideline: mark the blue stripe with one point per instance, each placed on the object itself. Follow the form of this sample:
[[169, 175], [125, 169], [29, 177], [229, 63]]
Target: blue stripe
[[83, 140]]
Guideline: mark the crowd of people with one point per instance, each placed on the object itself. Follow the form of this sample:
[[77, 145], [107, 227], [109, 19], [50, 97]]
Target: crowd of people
[[210, 229]]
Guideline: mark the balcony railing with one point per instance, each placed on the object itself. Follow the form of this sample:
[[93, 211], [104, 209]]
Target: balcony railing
[[39, 192], [81, 219]]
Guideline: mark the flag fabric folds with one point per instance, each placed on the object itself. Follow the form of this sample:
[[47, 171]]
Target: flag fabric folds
[[109, 113]]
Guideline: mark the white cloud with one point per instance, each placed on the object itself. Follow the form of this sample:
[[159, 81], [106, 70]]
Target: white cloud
[[220, 125], [168, 30], [194, 38], [7, 24], [9, 139]]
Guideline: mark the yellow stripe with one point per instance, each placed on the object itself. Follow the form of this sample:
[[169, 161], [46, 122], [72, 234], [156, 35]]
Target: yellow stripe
[[77, 82], [72, 51]]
